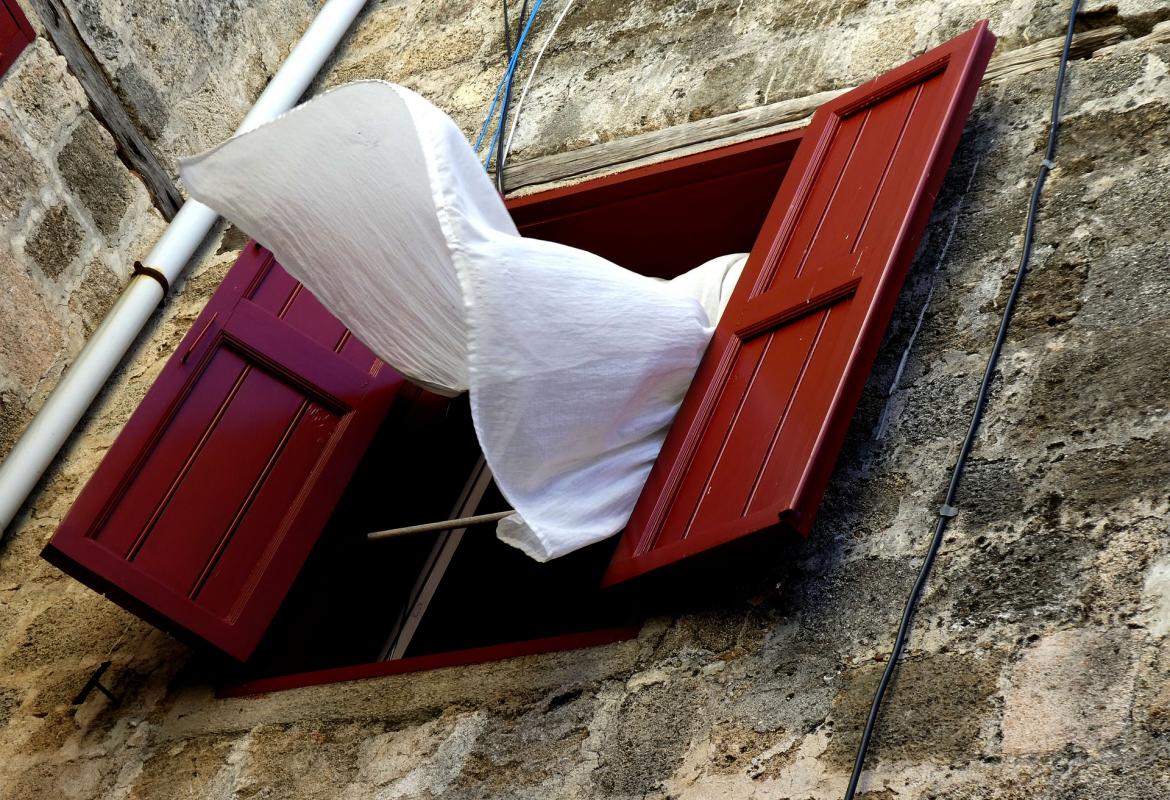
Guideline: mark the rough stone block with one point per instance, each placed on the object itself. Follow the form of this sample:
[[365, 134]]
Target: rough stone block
[[90, 167], [191, 768], [76, 627], [10, 700], [647, 739], [188, 77], [20, 172], [31, 332], [95, 295], [45, 97], [56, 241]]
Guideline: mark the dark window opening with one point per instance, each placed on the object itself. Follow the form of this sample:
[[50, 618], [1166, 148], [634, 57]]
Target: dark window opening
[[345, 605]]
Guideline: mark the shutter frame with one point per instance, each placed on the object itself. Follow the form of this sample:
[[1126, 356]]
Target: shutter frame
[[693, 451], [346, 387]]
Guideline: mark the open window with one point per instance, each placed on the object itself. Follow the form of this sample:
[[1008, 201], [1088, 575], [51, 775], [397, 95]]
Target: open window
[[273, 441]]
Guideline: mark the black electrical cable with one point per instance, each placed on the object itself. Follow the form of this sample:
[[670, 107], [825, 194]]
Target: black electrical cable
[[507, 99], [947, 512], [507, 32]]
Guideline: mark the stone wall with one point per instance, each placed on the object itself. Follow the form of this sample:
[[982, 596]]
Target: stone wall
[[73, 219], [188, 70], [72, 214], [1038, 665], [620, 67]]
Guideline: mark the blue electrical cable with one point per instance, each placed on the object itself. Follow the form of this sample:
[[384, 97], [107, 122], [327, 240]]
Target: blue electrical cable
[[506, 86], [508, 74]]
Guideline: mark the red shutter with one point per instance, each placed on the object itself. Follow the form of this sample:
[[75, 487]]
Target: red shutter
[[15, 33], [207, 505], [759, 430]]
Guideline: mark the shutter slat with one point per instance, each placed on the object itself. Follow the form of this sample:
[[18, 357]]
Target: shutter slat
[[279, 498], [233, 460]]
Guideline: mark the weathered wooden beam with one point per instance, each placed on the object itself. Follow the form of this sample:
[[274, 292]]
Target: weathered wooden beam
[[108, 107], [1046, 52], [761, 120]]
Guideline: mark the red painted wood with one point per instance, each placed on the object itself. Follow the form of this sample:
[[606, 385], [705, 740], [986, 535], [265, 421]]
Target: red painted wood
[[208, 503], [453, 658], [666, 218], [760, 428], [15, 33]]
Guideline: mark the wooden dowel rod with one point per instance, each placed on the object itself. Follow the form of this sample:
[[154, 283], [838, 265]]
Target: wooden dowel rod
[[445, 525]]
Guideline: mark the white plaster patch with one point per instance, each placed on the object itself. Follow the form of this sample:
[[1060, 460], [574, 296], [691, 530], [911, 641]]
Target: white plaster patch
[[641, 680], [1072, 687], [390, 756], [1156, 599], [806, 776], [127, 775], [229, 781]]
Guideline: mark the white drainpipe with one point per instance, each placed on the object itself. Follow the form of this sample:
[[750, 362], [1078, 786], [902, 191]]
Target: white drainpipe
[[93, 366]]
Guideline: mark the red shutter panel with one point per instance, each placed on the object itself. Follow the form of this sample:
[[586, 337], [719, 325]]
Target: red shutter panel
[[759, 430], [208, 503], [15, 33]]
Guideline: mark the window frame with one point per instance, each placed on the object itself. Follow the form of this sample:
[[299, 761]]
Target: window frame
[[533, 211]]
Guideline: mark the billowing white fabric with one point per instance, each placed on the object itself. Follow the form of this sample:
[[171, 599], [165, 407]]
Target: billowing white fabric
[[371, 197]]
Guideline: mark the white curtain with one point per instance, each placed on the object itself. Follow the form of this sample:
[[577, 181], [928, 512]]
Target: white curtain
[[372, 197]]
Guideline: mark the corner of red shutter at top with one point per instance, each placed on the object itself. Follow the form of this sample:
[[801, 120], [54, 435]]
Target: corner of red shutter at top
[[758, 433], [205, 508], [15, 33]]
